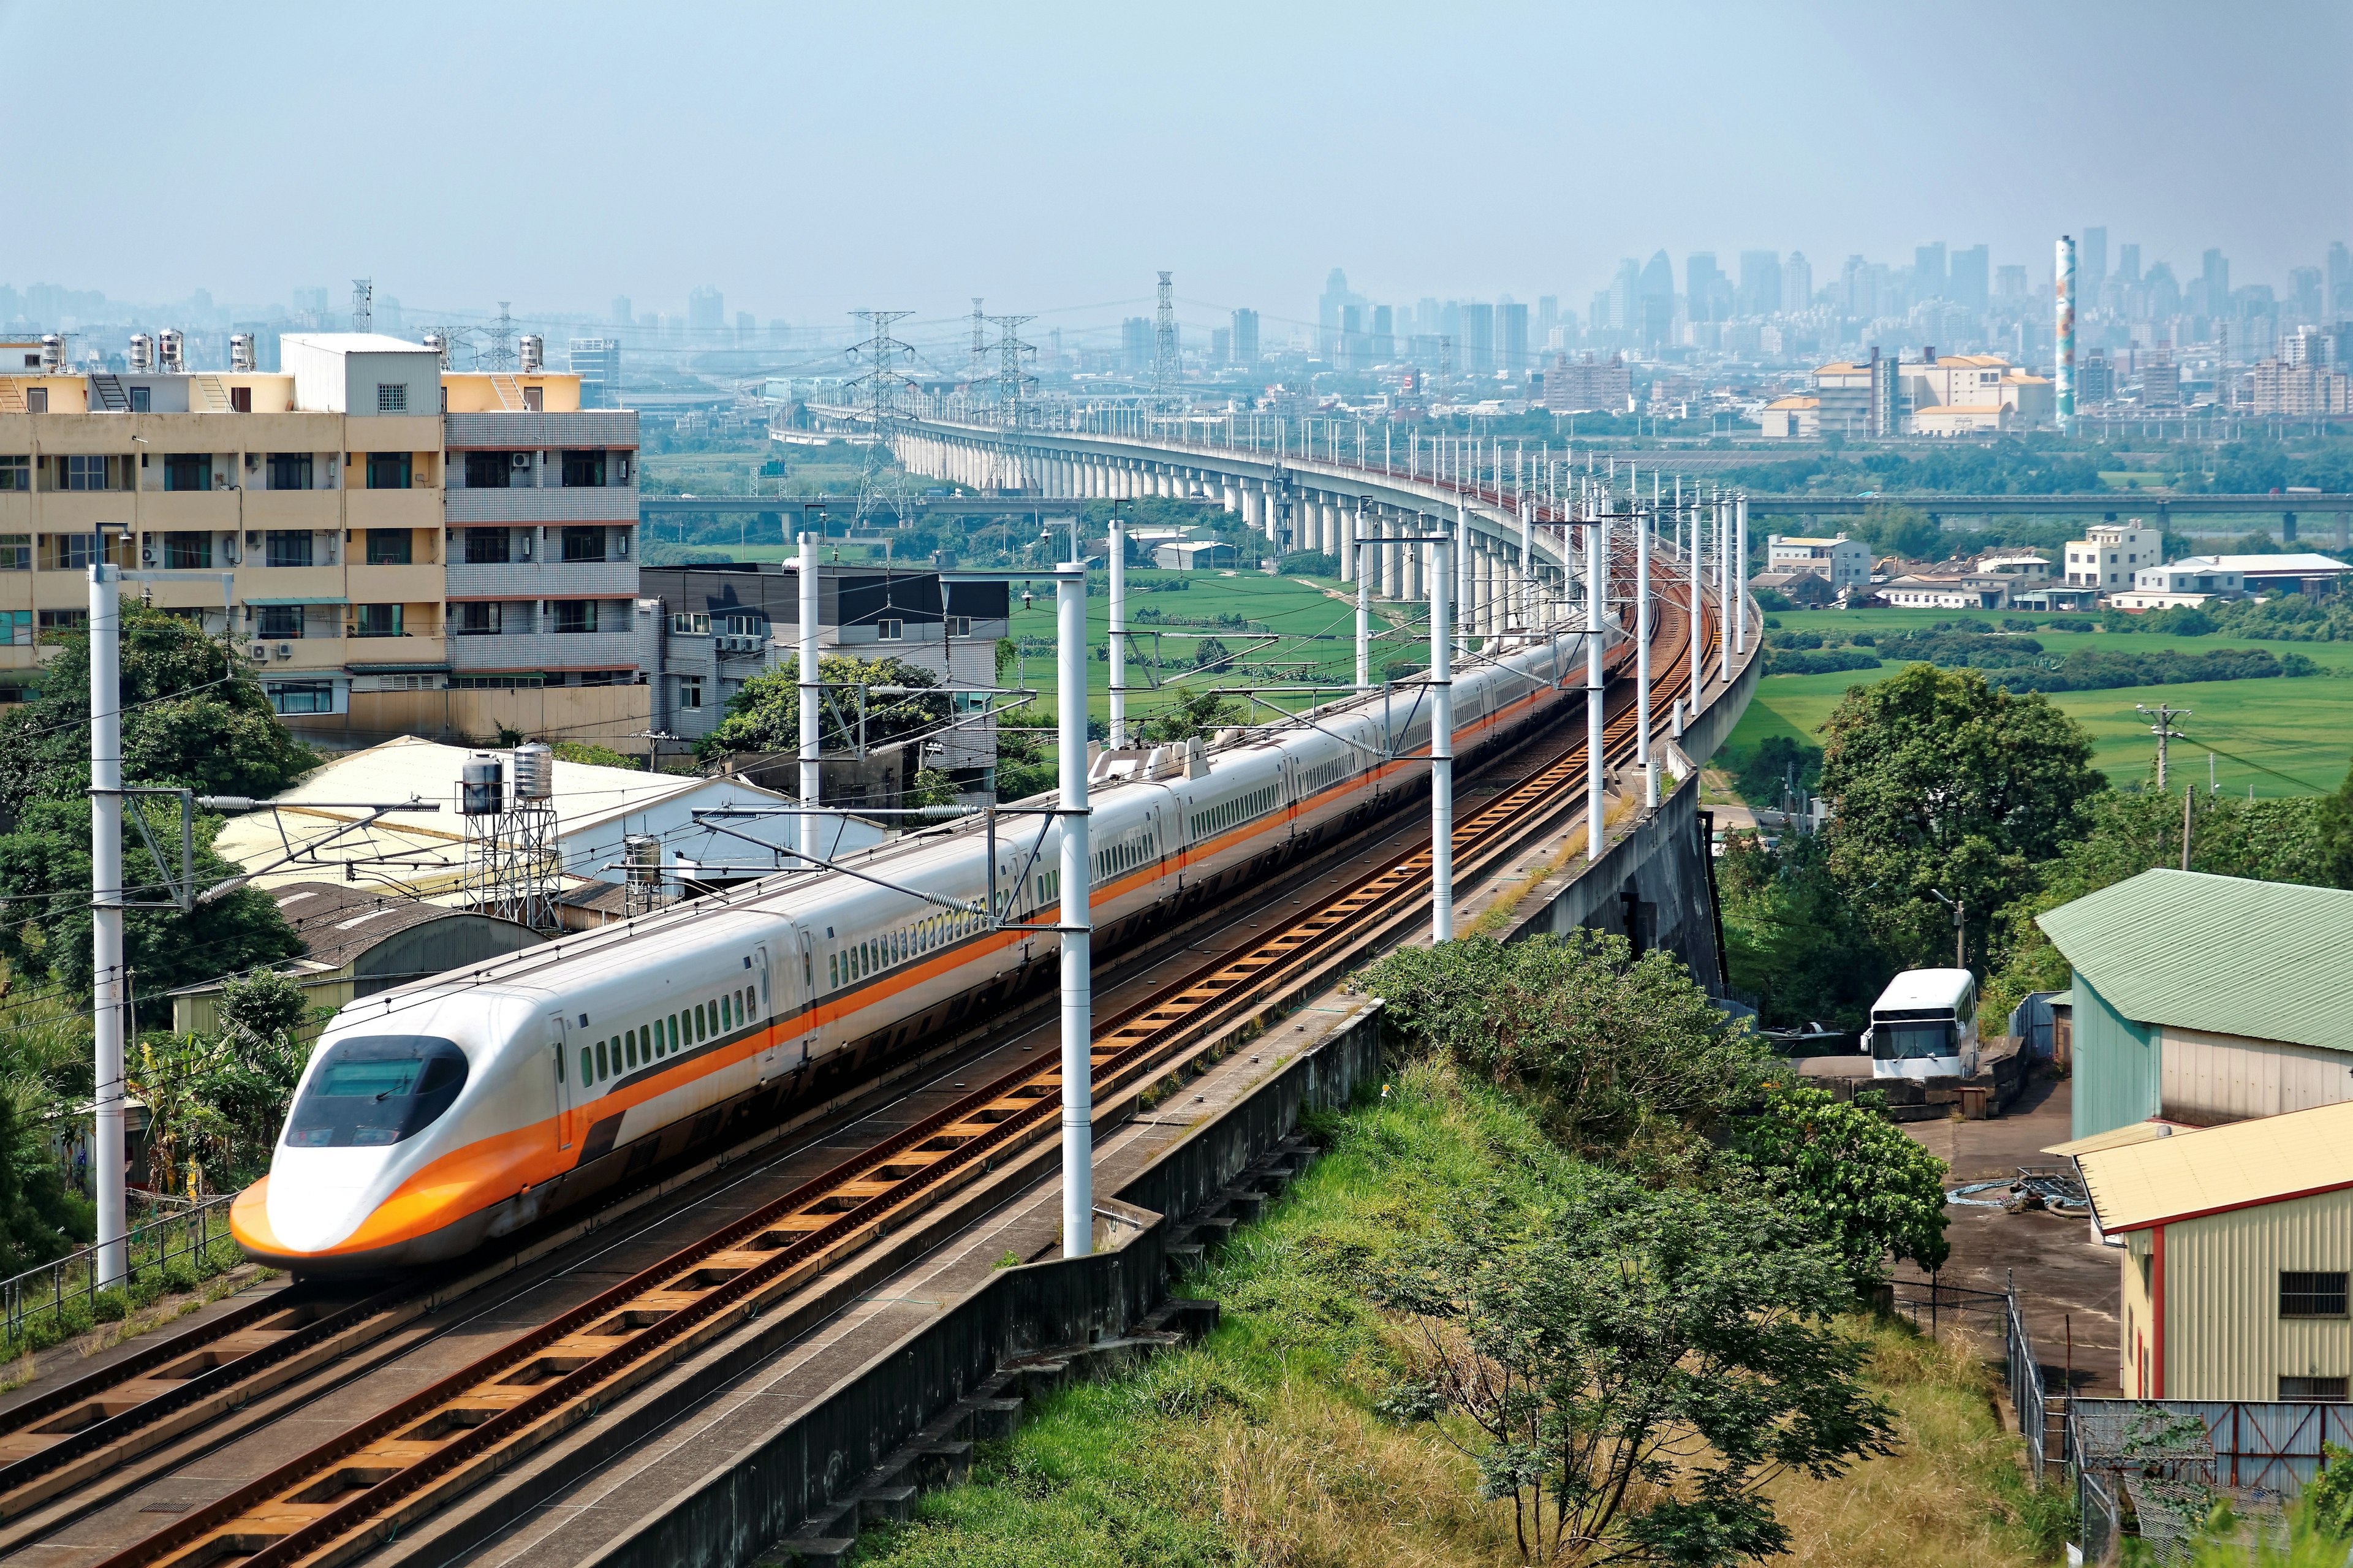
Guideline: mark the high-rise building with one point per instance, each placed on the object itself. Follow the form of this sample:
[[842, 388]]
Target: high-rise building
[[2128, 264], [597, 362], [1797, 283], [1135, 344], [1760, 283], [1702, 282], [1384, 343], [1965, 283], [1479, 339], [2009, 282], [2304, 289], [2340, 279], [1246, 337], [1352, 336], [1625, 292], [1514, 328], [2216, 271], [706, 312], [1548, 315], [1221, 345], [620, 313], [1928, 270], [1328, 306], [2091, 263]]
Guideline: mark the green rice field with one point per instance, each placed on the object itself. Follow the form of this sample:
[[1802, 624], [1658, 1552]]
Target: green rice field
[[2280, 736]]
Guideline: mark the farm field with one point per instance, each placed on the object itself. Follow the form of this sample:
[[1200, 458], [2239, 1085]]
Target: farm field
[[1314, 633], [2281, 736]]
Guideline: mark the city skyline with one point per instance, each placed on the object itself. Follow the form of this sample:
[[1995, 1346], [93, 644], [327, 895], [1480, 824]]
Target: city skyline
[[757, 133]]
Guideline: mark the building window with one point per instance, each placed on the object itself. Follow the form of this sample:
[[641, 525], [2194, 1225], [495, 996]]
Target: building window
[[287, 547], [890, 631], [605, 678], [388, 546], [143, 400], [15, 551], [583, 470], [574, 615], [2324, 1389], [476, 620], [959, 626], [303, 697], [497, 470], [388, 470], [290, 470], [60, 622], [93, 473], [391, 397], [189, 551], [377, 621], [67, 552], [16, 628], [240, 400], [485, 547], [691, 625], [689, 692], [16, 473], [36, 400], [2307, 1295], [278, 623], [584, 545]]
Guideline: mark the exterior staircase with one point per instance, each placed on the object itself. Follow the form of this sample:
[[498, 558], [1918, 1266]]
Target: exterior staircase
[[208, 395], [510, 394], [112, 398]]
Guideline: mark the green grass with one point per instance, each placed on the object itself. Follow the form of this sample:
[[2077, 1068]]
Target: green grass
[[2284, 737], [1315, 634], [1259, 1444]]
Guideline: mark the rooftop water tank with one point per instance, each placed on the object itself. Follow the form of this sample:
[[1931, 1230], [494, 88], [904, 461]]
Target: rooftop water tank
[[534, 773], [481, 786]]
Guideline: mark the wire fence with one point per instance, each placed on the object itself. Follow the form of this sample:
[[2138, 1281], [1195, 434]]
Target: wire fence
[[172, 1244]]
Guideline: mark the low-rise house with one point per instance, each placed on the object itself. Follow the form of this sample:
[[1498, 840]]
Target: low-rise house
[[1841, 562], [2202, 1000], [1942, 591], [1807, 590]]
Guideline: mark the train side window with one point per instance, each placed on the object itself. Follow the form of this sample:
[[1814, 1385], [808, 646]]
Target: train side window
[[671, 1024], [587, 1067], [706, 1019], [629, 1047], [603, 1071], [726, 1012], [832, 970]]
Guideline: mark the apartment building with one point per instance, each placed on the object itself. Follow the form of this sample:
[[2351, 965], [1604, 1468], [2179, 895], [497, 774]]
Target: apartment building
[[409, 550], [2111, 552], [1841, 562], [315, 490]]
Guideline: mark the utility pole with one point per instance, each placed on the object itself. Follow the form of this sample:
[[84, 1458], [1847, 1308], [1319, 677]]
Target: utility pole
[[2163, 730], [811, 693], [1596, 555], [1364, 603], [108, 992], [1642, 660], [1442, 750], [1960, 907], [1077, 938], [1118, 648]]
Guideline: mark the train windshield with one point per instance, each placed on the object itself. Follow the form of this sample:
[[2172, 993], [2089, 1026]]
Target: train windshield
[[375, 1089]]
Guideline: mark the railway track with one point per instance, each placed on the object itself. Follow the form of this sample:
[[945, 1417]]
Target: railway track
[[363, 1487]]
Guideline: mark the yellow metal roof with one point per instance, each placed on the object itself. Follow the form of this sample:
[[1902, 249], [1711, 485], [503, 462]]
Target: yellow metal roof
[[2131, 1133], [2244, 1163], [1795, 403]]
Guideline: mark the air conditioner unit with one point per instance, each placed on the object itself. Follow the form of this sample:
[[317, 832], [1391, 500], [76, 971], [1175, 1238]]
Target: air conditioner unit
[[146, 553], [259, 652], [519, 460], [286, 651]]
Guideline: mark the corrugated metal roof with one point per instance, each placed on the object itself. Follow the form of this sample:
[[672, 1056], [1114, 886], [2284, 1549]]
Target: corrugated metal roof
[[2261, 1161], [2273, 960], [2131, 1133]]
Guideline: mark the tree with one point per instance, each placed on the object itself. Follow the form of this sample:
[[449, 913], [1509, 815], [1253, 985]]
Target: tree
[[1211, 654], [1637, 1367], [1617, 1049], [766, 714], [1791, 938], [2333, 832], [1942, 784], [1192, 713], [596, 756], [1900, 531], [1861, 1186]]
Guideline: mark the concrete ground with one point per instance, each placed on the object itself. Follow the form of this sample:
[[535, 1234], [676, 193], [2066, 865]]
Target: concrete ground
[[2069, 1287]]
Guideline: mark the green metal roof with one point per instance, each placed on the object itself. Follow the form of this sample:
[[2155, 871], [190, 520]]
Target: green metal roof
[[2272, 960]]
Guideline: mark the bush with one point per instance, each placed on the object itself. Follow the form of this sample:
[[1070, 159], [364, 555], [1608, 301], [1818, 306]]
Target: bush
[[111, 1306], [1309, 564], [1828, 662], [2296, 665]]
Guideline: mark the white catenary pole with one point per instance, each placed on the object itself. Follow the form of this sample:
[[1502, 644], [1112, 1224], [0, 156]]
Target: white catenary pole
[[1740, 574], [1642, 662], [1723, 590], [811, 695], [1442, 750], [1698, 611], [1118, 626], [1078, 945], [106, 905], [1363, 605], [1597, 600]]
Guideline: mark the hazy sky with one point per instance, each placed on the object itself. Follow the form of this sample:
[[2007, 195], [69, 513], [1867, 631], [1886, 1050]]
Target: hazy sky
[[811, 160]]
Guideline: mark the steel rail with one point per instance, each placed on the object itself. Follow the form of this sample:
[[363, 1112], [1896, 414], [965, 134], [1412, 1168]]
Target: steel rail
[[358, 1489]]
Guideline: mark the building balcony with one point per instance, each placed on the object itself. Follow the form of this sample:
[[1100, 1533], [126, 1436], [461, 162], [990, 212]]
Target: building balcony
[[543, 580], [545, 650], [556, 503], [606, 427]]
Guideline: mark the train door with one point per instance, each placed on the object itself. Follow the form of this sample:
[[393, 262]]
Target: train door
[[773, 1052], [804, 1006], [559, 1040]]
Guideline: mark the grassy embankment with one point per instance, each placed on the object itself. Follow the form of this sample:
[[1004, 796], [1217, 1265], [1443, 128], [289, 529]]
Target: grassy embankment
[[1259, 1445], [2300, 729]]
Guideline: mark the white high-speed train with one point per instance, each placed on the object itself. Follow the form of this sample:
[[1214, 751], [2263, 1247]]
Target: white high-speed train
[[458, 1108]]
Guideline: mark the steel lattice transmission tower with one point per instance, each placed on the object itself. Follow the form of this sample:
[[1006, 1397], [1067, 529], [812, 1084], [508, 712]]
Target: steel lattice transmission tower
[[978, 370], [881, 491], [1010, 377], [363, 305], [501, 354], [1164, 348]]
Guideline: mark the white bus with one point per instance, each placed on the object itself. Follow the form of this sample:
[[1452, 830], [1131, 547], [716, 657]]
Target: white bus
[[1925, 1024]]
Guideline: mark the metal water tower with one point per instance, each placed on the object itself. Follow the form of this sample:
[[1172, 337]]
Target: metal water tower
[[513, 864]]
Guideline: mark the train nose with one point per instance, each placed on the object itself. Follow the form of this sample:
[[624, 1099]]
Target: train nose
[[317, 1199]]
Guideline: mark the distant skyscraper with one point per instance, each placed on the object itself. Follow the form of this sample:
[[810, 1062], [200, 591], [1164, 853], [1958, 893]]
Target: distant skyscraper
[[1328, 306], [1135, 344], [2128, 264], [1246, 337], [1928, 270], [1701, 282], [1221, 345], [597, 362], [1352, 336], [1514, 325], [2340, 279], [1760, 283], [1797, 283], [1965, 283], [706, 311], [1548, 315], [2091, 263], [2304, 288], [1625, 291], [2009, 282], [1384, 334], [1479, 339], [2217, 273], [621, 317]]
